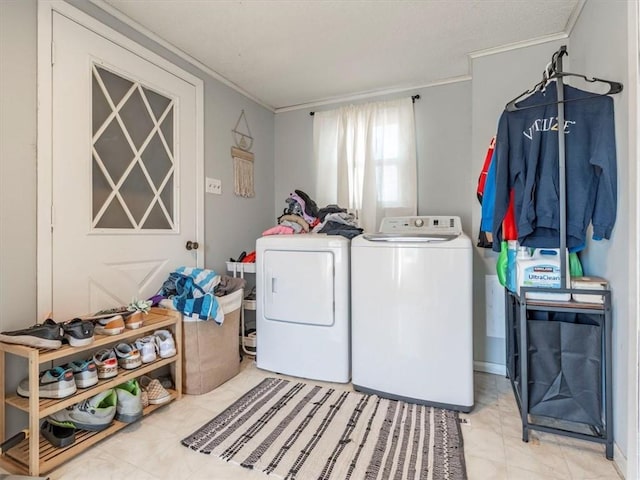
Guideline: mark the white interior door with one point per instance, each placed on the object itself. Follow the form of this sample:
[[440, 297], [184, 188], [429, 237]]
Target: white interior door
[[124, 173]]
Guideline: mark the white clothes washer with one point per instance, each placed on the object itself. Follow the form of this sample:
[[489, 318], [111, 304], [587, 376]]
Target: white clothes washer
[[302, 309], [411, 312]]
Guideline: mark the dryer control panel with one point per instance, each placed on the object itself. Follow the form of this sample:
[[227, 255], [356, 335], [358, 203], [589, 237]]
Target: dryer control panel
[[441, 225]]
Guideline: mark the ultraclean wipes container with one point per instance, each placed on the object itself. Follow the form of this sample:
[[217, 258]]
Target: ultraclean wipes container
[[540, 269]]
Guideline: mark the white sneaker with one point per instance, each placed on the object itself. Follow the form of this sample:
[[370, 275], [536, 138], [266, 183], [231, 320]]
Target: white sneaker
[[147, 348], [166, 345]]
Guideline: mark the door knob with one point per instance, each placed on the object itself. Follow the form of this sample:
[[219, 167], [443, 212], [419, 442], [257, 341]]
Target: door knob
[[192, 245]]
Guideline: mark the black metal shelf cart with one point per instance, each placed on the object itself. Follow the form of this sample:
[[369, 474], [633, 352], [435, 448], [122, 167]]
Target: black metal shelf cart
[[563, 384]]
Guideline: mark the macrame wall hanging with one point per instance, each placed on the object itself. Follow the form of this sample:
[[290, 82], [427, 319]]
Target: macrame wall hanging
[[242, 159]]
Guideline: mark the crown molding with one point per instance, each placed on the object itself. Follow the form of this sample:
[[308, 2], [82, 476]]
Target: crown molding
[[517, 45], [117, 14], [573, 18]]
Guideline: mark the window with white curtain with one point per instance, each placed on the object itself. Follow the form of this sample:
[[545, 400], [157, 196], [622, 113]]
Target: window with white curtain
[[365, 158]]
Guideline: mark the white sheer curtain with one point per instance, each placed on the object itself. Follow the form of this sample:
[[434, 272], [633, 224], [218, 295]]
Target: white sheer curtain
[[365, 159]]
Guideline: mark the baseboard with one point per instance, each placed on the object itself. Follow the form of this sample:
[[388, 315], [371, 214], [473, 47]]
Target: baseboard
[[487, 367], [619, 461]]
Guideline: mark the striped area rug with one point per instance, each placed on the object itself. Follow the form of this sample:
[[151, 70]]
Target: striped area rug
[[295, 430]]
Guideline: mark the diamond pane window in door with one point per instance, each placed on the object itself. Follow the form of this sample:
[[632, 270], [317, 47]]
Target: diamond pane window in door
[[133, 155]]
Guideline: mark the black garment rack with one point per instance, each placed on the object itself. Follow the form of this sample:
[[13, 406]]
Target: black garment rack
[[554, 71], [519, 308]]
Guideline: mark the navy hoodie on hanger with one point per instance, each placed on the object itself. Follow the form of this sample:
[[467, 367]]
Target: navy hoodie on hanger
[[527, 160]]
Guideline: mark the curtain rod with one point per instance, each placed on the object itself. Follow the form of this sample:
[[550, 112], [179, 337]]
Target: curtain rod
[[413, 99]]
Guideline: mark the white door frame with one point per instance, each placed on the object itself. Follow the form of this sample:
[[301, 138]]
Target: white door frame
[[633, 466], [45, 54], [633, 397]]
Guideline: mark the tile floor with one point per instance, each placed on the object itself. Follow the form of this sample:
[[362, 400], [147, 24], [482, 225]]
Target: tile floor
[[151, 450]]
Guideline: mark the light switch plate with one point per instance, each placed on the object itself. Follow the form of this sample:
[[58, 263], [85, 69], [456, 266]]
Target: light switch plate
[[213, 185]]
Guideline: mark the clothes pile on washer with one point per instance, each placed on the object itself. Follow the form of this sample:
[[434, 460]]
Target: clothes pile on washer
[[302, 215]]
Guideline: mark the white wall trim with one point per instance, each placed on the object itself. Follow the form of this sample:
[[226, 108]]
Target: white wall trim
[[631, 466], [44, 285], [176, 51], [375, 93], [488, 367], [573, 18], [44, 290], [620, 461], [518, 45]]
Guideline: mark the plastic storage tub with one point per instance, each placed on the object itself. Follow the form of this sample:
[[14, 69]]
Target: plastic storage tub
[[211, 351], [588, 283]]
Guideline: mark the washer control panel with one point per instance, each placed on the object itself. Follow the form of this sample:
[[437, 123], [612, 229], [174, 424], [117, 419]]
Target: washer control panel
[[442, 225]]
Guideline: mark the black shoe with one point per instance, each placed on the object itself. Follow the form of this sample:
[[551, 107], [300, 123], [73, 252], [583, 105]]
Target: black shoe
[[41, 335], [78, 332], [57, 435]]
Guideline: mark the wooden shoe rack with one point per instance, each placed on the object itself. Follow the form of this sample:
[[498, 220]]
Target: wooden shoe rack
[[36, 455]]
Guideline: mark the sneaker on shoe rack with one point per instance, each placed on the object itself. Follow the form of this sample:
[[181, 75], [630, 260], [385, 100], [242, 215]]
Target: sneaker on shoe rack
[[94, 414], [144, 396], [129, 407], [41, 335], [133, 320], [165, 343], [57, 382], [106, 363], [156, 392], [109, 326], [128, 356], [85, 372], [78, 332], [110, 312], [148, 348]]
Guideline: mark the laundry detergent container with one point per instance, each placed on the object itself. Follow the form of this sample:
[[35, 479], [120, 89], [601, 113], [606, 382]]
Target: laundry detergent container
[[211, 351]]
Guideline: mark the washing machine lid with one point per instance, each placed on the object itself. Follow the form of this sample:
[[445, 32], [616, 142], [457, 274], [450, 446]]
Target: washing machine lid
[[429, 231]]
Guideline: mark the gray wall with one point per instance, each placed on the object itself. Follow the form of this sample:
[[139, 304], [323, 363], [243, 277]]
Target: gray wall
[[599, 48], [443, 129], [17, 179]]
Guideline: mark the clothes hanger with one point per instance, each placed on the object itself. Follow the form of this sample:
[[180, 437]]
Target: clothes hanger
[[550, 73]]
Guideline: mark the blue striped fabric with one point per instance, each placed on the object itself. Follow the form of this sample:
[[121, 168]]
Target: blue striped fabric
[[204, 278], [195, 293]]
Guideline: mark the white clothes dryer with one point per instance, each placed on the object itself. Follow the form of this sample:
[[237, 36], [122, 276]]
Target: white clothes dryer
[[411, 294], [302, 309]]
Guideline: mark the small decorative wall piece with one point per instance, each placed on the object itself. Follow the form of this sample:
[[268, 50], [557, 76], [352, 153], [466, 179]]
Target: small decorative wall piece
[[242, 160], [243, 173]]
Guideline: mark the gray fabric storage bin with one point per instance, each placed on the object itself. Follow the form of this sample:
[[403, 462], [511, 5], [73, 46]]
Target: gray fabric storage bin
[[565, 363]]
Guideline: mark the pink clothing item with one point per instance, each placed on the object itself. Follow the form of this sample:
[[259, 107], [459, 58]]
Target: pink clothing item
[[279, 230]]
